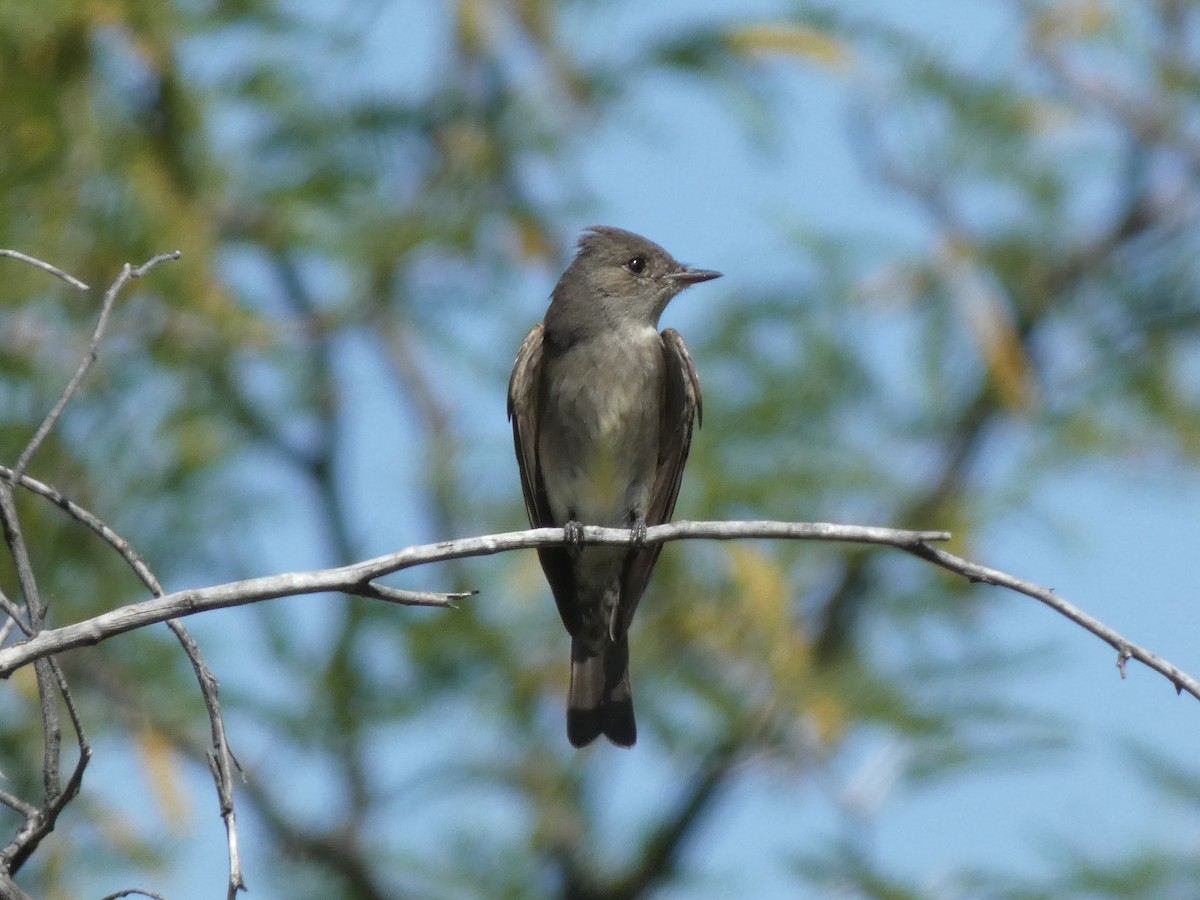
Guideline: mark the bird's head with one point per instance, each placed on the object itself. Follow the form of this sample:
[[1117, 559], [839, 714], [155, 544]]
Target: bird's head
[[618, 277]]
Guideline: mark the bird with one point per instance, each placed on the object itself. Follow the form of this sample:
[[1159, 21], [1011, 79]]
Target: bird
[[602, 407]]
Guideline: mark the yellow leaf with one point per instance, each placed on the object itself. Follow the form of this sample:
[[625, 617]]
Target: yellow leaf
[[533, 241], [537, 17], [827, 714], [162, 772], [1065, 21], [25, 681], [474, 25], [759, 585], [790, 40], [990, 321], [767, 627]]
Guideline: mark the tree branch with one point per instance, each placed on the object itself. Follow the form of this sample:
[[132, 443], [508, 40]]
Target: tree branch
[[357, 579], [128, 272], [45, 267], [39, 822], [1126, 649], [220, 758]]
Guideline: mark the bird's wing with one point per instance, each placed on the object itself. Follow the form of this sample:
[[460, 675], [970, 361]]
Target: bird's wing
[[524, 409], [524, 402], [681, 406]]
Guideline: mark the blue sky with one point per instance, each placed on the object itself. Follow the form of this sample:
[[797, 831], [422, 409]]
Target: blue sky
[[1116, 539]]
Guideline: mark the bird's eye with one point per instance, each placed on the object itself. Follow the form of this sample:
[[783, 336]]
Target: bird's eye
[[636, 265]]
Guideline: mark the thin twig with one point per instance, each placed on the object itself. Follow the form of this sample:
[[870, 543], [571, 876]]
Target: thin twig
[[15, 539], [221, 758], [1125, 648], [15, 803], [13, 612], [410, 598], [45, 267], [93, 522], [10, 622], [39, 822], [39, 825], [110, 297]]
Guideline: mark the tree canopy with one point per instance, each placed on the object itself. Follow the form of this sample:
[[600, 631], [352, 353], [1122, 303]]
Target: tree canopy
[[372, 202]]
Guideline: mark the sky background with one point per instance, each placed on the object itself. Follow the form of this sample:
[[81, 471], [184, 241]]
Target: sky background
[[1118, 540]]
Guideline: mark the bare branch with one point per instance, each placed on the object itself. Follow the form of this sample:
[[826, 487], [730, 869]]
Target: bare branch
[[220, 758], [411, 598], [52, 743], [51, 683], [39, 822], [358, 579], [110, 297], [84, 517], [45, 267], [15, 539], [16, 804], [1125, 648], [14, 620], [9, 889]]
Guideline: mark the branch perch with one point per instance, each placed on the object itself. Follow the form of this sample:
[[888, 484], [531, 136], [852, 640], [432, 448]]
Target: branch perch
[[357, 579]]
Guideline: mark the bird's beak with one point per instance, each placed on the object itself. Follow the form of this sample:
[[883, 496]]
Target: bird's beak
[[688, 276]]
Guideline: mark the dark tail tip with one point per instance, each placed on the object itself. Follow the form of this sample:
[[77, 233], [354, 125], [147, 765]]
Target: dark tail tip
[[613, 720], [583, 726], [600, 701], [617, 722]]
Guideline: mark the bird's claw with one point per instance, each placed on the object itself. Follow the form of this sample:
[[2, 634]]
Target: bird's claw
[[574, 533], [637, 531]]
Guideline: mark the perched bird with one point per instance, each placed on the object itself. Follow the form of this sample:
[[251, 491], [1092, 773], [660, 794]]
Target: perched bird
[[602, 408]]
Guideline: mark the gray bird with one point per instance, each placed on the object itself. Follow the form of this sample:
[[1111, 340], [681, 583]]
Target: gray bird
[[602, 408]]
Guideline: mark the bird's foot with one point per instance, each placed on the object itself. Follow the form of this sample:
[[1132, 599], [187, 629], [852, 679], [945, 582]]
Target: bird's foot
[[637, 529], [574, 533]]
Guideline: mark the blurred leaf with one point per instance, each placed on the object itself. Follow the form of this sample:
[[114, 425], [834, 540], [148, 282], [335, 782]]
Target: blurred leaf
[[824, 48], [166, 780]]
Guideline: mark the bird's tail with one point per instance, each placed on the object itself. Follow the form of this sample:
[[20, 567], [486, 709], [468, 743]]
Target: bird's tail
[[600, 701]]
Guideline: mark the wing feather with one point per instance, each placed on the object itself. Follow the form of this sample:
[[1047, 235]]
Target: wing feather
[[524, 410], [682, 405], [524, 401]]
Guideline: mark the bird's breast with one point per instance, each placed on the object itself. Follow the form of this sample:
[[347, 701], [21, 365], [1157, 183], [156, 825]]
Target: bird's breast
[[599, 430]]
